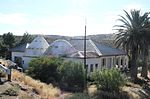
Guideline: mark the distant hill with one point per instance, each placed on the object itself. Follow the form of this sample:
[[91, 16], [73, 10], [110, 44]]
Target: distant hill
[[107, 39], [51, 38]]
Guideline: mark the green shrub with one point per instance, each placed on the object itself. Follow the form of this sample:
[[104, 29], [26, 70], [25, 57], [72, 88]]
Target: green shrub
[[12, 91], [72, 76], [109, 79], [45, 69]]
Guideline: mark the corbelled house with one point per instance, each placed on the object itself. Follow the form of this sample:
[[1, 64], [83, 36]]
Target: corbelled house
[[97, 55], [26, 52]]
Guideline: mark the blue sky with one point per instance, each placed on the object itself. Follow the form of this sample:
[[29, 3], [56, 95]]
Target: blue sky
[[64, 17]]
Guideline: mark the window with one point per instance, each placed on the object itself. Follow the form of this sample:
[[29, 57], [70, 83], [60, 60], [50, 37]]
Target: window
[[23, 62], [56, 46], [117, 61], [121, 61], [91, 68], [15, 58], [96, 66], [103, 61]]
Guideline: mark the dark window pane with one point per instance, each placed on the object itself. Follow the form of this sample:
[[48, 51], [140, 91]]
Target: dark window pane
[[91, 68], [96, 66]]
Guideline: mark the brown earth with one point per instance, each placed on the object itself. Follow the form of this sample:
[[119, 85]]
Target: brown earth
[[28, 91]]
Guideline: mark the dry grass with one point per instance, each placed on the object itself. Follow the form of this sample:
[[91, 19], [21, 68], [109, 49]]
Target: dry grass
[[131, 93], [92, 89], [44, 90], [7, 63], [128, 92]]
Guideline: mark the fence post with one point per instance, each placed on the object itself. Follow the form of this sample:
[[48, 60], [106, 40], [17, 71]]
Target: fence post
[[9, 74]]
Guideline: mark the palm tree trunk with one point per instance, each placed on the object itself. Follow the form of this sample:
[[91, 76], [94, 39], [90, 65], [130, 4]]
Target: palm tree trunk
[[133, 68], [144, 71]]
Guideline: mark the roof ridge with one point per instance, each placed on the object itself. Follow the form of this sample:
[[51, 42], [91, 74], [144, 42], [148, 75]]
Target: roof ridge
[[95, 47]]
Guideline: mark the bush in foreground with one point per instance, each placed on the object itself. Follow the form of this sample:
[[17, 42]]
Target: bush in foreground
[[45, 69], [72, 76], [109, 79]]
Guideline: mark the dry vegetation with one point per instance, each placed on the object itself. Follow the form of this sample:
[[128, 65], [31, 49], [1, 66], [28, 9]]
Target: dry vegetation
[[7, 63], [44, 90]]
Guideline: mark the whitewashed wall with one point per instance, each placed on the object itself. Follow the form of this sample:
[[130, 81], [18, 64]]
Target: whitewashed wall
[[35, 51], [26, 61], [110, 61], [89, 61], [114, 59]]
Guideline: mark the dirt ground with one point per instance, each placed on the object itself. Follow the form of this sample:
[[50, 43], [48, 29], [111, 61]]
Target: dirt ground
[[135, 91], [24, 92]]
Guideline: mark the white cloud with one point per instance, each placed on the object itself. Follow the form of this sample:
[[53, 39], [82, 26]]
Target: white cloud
[[133, 5], [71, 24], [63, 25], [13, 19]]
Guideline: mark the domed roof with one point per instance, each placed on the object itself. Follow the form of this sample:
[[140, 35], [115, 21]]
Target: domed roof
[[37, 47], [60, 48], [39, 42]]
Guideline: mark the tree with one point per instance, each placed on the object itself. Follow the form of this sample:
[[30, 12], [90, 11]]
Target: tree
[[145, 54], [8, 39], [72, 75], [3, 50], [129, 36], [26, 38], [45, 69], [144, 47]]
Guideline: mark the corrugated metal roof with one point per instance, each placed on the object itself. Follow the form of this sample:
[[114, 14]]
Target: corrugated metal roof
[[80, 54], [20, 48], [107, 50], [79, 44]]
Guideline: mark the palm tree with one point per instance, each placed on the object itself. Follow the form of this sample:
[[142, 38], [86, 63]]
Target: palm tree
[[129, 36], [144, 54], [144, 46]]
